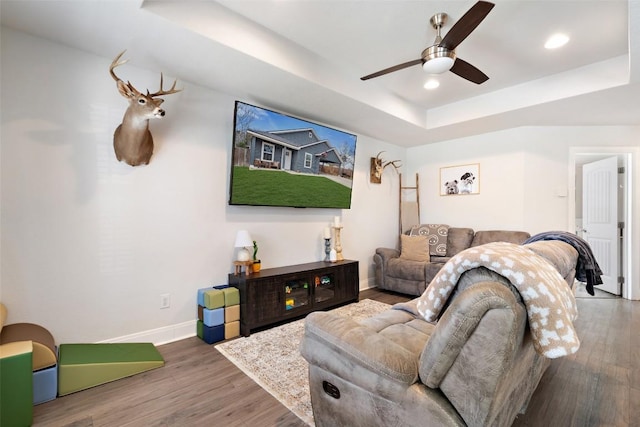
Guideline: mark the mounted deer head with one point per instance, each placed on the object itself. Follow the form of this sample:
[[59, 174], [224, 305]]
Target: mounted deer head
[[378, 165], [132, 140]]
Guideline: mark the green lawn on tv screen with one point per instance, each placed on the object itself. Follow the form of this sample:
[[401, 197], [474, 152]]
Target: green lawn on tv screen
[[280, 188]]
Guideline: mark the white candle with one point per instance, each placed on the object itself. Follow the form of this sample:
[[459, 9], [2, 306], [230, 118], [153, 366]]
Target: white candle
[[327, 233], [336, 221]]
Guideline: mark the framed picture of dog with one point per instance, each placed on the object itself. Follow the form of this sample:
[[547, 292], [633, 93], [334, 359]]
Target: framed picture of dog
[[460, 180]]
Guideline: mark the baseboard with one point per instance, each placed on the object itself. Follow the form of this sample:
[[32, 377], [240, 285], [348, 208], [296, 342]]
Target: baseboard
[[159, 336], [367, 284]]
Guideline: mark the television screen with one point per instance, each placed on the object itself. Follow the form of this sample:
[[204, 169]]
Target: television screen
[[279, 160]]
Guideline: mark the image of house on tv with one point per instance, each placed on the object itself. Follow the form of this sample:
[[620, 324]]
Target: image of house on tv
[[297, 150]]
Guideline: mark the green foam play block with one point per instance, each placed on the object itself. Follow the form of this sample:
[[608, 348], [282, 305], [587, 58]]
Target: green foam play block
[[200, 329], [82, 366], [213, 298], [231, 296]]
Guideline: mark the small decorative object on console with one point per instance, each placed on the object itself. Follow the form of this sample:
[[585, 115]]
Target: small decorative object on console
[[243, 241], [338, 244], [327, 243], [256, 262]]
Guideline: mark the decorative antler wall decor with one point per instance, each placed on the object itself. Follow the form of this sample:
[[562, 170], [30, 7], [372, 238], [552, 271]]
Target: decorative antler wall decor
[[132, 140], [378, 165]]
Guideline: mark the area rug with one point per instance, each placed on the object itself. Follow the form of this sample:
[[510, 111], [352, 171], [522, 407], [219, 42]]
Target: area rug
[[272, 358]]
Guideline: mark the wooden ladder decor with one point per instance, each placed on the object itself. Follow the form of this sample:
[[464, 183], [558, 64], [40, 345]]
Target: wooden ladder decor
[[402, 188]]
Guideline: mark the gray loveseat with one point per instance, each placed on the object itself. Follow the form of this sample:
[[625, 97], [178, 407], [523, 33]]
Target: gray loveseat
[[395, 273], [475, 366]]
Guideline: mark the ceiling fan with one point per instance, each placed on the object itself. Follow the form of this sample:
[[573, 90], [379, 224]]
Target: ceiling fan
[[441, 56]]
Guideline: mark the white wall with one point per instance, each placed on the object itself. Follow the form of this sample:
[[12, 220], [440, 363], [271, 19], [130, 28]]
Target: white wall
[[524, 179], [499, 163], [89, 244]]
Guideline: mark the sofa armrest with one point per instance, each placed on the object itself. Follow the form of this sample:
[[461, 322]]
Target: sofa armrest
[[488, 310], [380, 259], [477, 355], [351, 350], [386, 254], [561, 255]]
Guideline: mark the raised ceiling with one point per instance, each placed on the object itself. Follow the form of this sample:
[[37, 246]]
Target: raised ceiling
[[306, 57]]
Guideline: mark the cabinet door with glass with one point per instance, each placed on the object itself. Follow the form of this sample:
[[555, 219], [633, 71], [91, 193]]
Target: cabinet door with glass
[[324, 287], [297, 294]]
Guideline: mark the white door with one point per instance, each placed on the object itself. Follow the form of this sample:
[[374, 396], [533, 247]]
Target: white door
[[287, 159], [600, 218]]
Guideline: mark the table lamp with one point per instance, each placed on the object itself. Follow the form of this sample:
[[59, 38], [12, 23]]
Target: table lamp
[[243, 240]]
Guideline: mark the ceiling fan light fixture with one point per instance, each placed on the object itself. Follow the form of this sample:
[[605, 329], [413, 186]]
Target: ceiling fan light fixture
[[438, 65], [437, 59]]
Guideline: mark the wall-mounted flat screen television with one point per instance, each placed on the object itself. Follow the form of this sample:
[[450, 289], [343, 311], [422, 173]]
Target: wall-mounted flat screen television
[[280, 160]]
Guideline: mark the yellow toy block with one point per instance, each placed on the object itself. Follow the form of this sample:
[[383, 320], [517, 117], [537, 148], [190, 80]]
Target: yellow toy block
[[231, 314], [231, 330]]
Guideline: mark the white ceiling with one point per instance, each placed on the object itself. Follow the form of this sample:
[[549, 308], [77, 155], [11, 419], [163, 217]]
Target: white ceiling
[[306, 57]]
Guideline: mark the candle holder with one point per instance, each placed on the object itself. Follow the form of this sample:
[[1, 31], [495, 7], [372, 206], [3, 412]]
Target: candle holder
[[338, 244], [327, 249]]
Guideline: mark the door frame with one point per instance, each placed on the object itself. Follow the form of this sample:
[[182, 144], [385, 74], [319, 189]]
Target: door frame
[[631, 234]]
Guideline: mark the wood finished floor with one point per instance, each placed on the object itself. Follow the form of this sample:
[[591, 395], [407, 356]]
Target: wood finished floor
[[598, 386]]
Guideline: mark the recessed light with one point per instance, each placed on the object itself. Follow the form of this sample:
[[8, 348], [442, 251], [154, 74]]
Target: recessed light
[[431, 84], [556, 41]]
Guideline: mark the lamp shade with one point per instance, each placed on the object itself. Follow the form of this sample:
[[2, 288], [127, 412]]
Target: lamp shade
[[243, 239]]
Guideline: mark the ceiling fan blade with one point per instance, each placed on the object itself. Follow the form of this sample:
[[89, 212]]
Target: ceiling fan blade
[[466, 24], [468, 71], [392, 69]]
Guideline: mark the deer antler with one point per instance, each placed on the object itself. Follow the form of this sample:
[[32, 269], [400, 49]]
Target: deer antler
[[116, 63], [393, 163], [162, 91]]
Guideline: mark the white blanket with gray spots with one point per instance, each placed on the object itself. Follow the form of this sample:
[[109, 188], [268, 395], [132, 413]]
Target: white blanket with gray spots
[[550, 303]]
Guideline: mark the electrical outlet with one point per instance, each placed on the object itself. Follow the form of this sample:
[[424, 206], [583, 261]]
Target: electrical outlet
[[165, 300]]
